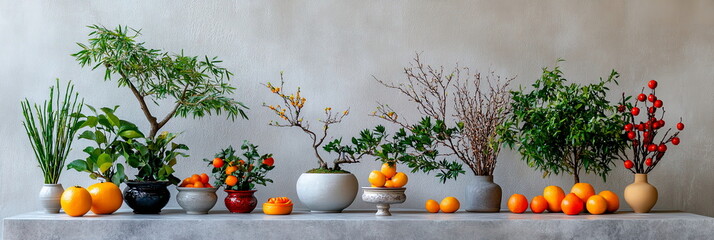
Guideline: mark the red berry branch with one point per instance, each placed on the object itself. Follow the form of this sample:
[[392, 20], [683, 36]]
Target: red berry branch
[[647, 151]]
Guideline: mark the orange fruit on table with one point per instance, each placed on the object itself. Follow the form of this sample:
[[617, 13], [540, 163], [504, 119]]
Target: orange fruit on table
[[571, 204], [231, 169], [400, 180], [554, 195], [204, 178], [106, 197], [231, 180], [432, 206], [389, 184], [596, 204], [377, 178], [583, 190], [76, 201], [517, 203], [449, 205], [389, 170], [539, 204], [613, 202], [278, 206]]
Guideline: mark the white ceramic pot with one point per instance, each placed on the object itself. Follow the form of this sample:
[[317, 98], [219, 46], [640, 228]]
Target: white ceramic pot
[[327, 192], [50, 197], [196, 200]]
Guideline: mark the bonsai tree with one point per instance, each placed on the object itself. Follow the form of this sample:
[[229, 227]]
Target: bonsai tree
[[458, 115], [196, 86], [51, 128], [110, 134], [241, 172], [155, 157], [646, 151], [566, 128], [292, 116]]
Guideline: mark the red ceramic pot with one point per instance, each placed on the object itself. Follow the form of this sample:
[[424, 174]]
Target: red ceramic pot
[[241, 201]]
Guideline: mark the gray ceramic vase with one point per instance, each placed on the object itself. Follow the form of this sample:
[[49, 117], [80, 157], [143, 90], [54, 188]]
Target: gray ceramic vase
[[483, 195], [50, 197], [196, 200]]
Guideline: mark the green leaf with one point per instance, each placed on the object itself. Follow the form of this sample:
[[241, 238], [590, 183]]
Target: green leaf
[[89, 135], [131, 134], [79, 165], [104, 162]]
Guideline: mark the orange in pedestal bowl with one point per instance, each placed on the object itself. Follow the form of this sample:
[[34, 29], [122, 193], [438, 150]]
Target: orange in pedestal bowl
[[278, 206]]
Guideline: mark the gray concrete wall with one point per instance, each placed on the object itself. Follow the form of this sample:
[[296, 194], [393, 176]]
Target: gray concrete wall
[[331, 49]]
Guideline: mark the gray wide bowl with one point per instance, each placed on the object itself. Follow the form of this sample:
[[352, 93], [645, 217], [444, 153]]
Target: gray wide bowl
[[196, 200]]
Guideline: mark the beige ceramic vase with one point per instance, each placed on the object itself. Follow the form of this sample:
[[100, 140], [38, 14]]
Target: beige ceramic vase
[[640, 195]]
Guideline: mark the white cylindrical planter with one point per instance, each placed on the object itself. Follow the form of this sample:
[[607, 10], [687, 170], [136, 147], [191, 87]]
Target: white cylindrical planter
[[327, 192], [50, 197], [482, 195]]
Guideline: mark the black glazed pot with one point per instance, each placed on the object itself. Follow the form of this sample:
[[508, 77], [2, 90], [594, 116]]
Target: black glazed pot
[[147, 197]]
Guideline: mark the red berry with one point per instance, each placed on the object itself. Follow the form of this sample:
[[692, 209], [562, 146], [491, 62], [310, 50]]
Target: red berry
[[652, 110], [662, 148], [642, 97], [661, 123], [658, 103], [648, 162], [631, 135], [621, 108], [635, 111], [629, 164], [652, 84], [646, 135], [641, 127], [675, 141], [680, 126], [629, 127], [656, 125], [652, 147], [651, 98]]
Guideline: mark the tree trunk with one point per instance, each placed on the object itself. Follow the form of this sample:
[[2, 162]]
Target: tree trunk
[[576, 176]]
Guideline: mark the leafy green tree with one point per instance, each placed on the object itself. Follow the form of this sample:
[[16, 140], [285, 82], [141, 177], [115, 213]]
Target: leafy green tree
[[565, 128], [155, 157], [197, 86]]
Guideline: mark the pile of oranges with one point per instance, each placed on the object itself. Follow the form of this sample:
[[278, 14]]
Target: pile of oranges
[[447, 205], [196, 181], [388, 177], [581, 197]]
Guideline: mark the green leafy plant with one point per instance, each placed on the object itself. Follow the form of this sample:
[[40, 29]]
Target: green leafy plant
[[110, 134], [155, 157], [197, 86], [241, 172], [51, 128], [565, 128]]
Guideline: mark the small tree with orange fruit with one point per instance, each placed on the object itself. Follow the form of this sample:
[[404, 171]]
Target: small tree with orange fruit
[[290, 111], [242, 172]]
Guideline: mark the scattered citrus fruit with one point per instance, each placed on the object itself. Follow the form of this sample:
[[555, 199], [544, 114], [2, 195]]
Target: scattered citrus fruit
[[596, 204], [432, 206], [538, 204], [106, 197], [389, 171], [613, 202], [449, 205], [571, 204], [400, 179], [517, 203], [583, 190], [377, 178], [554, 195], [76, 201]]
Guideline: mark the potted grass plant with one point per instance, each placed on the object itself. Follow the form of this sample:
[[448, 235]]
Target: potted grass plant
[[51, 127], [327, 188]]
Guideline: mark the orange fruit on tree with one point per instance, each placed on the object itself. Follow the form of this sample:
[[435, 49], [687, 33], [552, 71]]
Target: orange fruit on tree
[[106, 197], [432, 206], [231, 180], [596, 204], [583, 190], [613, 202], [76, 201], [377, 178], [218, 162], [539, 204], [571, 204], [389, 170], [204, 178], [449, 205], [231, 169], [554, 195], [400, 179], [517, 203]]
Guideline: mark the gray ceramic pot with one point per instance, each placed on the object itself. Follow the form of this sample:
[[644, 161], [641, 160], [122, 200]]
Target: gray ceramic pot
[[383, 197], [196, 200], [50, 197], [483, 195]]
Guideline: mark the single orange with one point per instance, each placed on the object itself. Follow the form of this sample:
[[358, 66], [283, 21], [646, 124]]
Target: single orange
[[517, 203], [389, 184], [377, 178], [596, 204], [583, 190], [449, 205], [231, 169], [231, 180], [198, 185], [187, 180], [76, 201], [554, 195], [613, 202], [389, 170], [571, 204], [400, 179], [195, 178], [218, 162], [539, 204], [106, 197], [432, 206], [204, 178]]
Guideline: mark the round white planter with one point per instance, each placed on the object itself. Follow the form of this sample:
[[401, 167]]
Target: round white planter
[[327, 192], [196, 200], [50, 197]]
